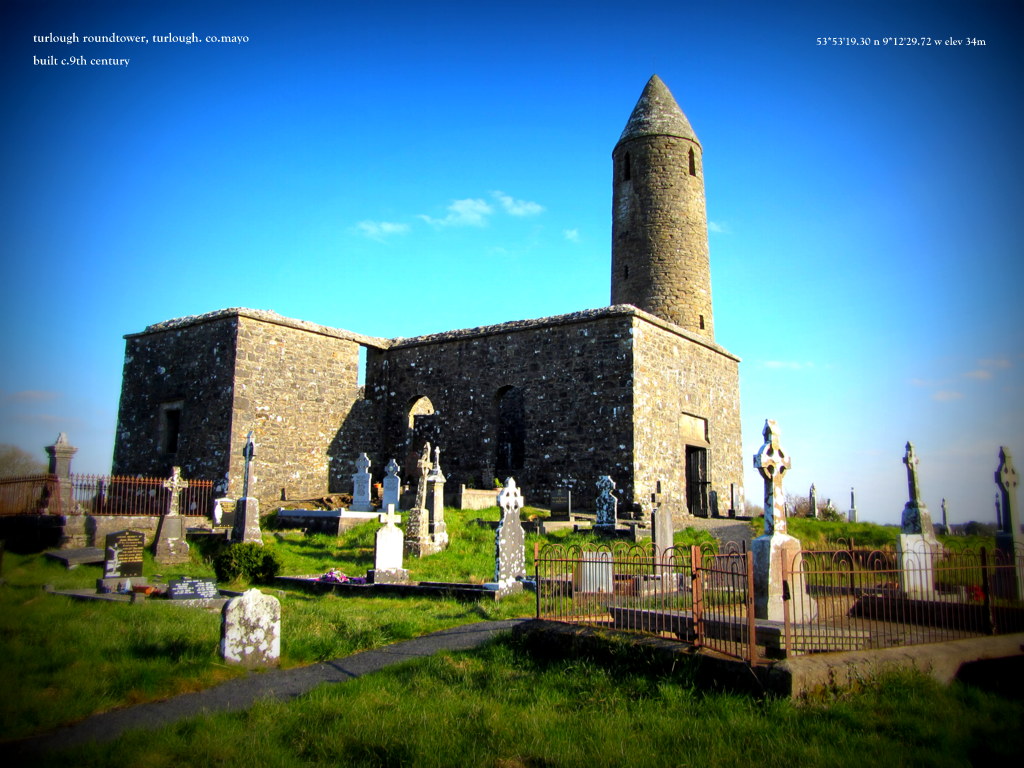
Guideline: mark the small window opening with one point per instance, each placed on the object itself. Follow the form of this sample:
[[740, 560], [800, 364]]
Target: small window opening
[[693, 164], [170, 427], [361, 367], [625, 272], [627, 172], [701, 322]]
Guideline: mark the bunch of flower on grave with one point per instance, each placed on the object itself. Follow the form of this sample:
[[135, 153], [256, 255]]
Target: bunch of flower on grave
[[335, 576]]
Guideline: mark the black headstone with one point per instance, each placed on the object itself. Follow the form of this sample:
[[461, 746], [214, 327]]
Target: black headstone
[[123, 555], [187, 588], [561, 501]]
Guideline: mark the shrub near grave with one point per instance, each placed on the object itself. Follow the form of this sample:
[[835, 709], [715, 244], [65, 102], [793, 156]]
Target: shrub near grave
[[249, 561]]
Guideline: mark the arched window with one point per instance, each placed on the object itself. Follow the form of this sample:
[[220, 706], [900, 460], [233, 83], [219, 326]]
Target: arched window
[[627, 171], [511, 429], [693, 163]]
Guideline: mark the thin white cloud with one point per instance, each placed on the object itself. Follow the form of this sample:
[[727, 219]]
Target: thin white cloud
[[30, 396], [788, 365], [946, 395], [995, 363], [378, 230], [982, 374], [714, 226], [471, 212], [572, 235], [515, 207]]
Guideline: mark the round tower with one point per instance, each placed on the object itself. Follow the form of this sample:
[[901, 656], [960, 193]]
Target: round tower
[[659, 220]]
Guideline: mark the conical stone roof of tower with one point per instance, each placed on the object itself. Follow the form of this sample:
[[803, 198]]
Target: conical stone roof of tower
[[657, 114]]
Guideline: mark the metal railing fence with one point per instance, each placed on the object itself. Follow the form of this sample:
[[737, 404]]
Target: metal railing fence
[[100, 495], [28, 495], [694, 594], [861, 599]]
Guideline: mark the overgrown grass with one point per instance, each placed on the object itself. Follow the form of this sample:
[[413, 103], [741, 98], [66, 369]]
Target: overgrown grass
[[500, 706]]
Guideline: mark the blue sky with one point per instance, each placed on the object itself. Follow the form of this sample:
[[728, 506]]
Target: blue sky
[[416, 167]]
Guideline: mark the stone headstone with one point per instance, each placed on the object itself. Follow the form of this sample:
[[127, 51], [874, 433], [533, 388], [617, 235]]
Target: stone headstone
[[187, 588], [713, 503], [247, 521], [249, 456], [916, 547], [250, 632], [362, 484], [737, 507], [123, 554], [661, 531], [777, 555], [435, 490], [607, 504], [171, 547], [851, 516], [392, 486], [510, 540], [387, 551], [418, 540], [915, 519], [812, 498], [1009, 538], [594, 573]]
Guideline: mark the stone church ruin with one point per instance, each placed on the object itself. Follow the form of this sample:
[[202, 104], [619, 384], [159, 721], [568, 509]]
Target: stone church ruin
[[638, 391]]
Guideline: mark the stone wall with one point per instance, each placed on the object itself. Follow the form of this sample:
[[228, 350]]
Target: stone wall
[[294, 383], [295, 387], [687, 393], [569, 378], [188, 368]]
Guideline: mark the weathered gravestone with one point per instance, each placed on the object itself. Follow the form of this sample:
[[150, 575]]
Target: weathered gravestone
[[851, 516], [170, 546], [661, 527], [1009, 538], [916, 547], [607, 504], [361, 485], [812, 499], [392, 485], [247, 509], [510, 540], [777, 554], [187, 588], [417, 526], [250, 632], [435, 489], [387, 551]]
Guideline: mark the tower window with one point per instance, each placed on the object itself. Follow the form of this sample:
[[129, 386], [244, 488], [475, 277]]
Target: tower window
[[627, 171], [170, 426], [693, 164], [625, 272], [701, 322]]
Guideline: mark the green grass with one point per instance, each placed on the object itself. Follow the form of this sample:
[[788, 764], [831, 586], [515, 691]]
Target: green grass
[[63, 660], [502, 706]]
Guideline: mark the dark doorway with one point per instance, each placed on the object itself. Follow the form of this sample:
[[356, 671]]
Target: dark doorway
[[697, 481]]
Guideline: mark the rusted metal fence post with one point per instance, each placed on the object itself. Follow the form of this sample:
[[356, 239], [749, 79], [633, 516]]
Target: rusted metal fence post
[[751, 622], [536, 573], [697, 587], [986, 595]]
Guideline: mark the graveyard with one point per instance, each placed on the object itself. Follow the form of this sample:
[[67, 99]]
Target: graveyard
[[518, 698]]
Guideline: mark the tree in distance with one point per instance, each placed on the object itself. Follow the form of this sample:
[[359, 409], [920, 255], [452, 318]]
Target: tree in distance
[[15, 462]]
